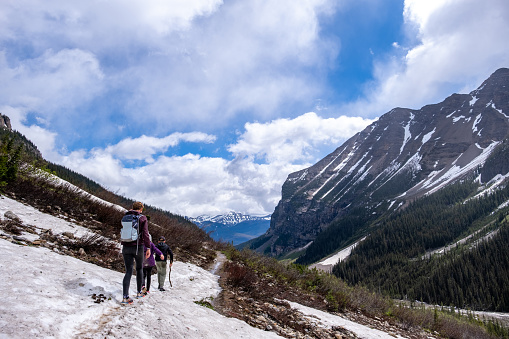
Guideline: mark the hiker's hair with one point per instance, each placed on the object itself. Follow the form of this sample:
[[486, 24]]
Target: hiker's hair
[[137, 206]]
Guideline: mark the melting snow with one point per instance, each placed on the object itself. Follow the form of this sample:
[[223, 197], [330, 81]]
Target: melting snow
[[408, 135], [498, 110], [333, 320], [456, 119], [456, 171], [341, 255], [49, 295], [476, 122], [427, 136], [451, 114]]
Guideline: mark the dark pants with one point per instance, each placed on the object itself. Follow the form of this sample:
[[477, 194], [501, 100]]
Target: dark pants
[[130, 255], [147, 272]]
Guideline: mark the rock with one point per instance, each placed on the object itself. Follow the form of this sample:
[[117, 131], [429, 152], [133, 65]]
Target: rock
[[19, 238], [68, 235], [82, 252], [12, 216]]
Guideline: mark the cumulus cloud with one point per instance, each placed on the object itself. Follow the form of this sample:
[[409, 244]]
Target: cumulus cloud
[[294, 140], [453, 46], [144, 147], [179, 62]]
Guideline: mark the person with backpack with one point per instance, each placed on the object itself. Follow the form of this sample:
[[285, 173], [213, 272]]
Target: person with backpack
[[134, 236], [148, 265], [161, 262]]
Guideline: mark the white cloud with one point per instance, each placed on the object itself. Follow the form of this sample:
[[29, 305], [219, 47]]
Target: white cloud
[[293, 140], [458, 44], [51, 82], [180, 65], [180, 62], [144, 147]]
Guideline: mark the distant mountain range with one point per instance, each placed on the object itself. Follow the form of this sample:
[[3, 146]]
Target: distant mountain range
[[233, 227]]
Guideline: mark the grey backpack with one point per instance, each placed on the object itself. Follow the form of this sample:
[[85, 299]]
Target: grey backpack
[[130, 227]]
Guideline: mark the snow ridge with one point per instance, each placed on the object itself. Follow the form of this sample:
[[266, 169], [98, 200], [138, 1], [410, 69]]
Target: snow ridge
[[230, 218]]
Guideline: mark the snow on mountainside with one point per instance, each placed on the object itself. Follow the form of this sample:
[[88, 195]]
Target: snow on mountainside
[[404, 155], [230, 218], [233, 227]]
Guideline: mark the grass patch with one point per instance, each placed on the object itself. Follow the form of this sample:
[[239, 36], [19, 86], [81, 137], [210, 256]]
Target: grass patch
[[204, 303]]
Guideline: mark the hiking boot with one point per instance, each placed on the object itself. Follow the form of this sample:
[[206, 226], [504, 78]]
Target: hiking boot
[[126, 301], [161, 289], [140, 295]]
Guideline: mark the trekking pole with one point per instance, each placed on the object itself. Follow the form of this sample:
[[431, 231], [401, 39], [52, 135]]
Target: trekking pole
[[169, 277]]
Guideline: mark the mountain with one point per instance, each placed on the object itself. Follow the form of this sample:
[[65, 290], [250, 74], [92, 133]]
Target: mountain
[[233, 227], [415, 206], [405, 155], [71, 236]]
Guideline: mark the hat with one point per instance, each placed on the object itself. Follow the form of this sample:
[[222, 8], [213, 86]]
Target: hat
[[162, 238]]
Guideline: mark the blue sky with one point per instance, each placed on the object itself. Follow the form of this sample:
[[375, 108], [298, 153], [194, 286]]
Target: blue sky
[[206, 106]]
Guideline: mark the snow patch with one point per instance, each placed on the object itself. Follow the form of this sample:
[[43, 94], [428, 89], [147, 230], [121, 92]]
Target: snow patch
[[456, 171], [476, 121], [427, 136], [499, 110], [341, 255], [408, 135], [330, 320]]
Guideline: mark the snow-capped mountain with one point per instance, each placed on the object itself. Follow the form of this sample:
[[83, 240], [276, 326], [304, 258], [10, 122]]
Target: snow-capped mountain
[[404, 155], [233, 227], [230, 218]]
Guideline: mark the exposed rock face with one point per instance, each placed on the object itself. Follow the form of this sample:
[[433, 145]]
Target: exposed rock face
[[5, 122], [6, 128], [404, 155]]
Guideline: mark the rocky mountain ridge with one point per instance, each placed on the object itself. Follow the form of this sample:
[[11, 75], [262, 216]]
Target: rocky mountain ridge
[[233, 227], [402, 156], [230, 218]]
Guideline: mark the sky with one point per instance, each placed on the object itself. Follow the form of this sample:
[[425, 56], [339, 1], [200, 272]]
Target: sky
[[206, 106], [63, 287]]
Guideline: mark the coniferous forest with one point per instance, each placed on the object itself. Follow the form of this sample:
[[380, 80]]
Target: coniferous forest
[[409, 255]]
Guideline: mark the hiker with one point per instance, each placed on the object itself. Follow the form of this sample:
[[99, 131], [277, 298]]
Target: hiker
[[161, 262], [134, 251], [148, 265]]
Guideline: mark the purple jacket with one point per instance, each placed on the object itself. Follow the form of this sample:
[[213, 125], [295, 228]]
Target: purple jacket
[[150, 262]]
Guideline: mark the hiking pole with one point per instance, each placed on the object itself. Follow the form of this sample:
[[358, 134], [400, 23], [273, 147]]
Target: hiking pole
[[169, 277]]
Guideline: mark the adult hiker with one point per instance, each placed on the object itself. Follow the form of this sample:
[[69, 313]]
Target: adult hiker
[[148, 265], [132, 249], [161, 263]]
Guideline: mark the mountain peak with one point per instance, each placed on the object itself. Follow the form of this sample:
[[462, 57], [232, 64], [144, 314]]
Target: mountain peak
[[402, 156], [229, 218]]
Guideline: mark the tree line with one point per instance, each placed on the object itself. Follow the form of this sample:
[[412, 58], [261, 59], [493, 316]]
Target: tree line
[[393, 259]]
